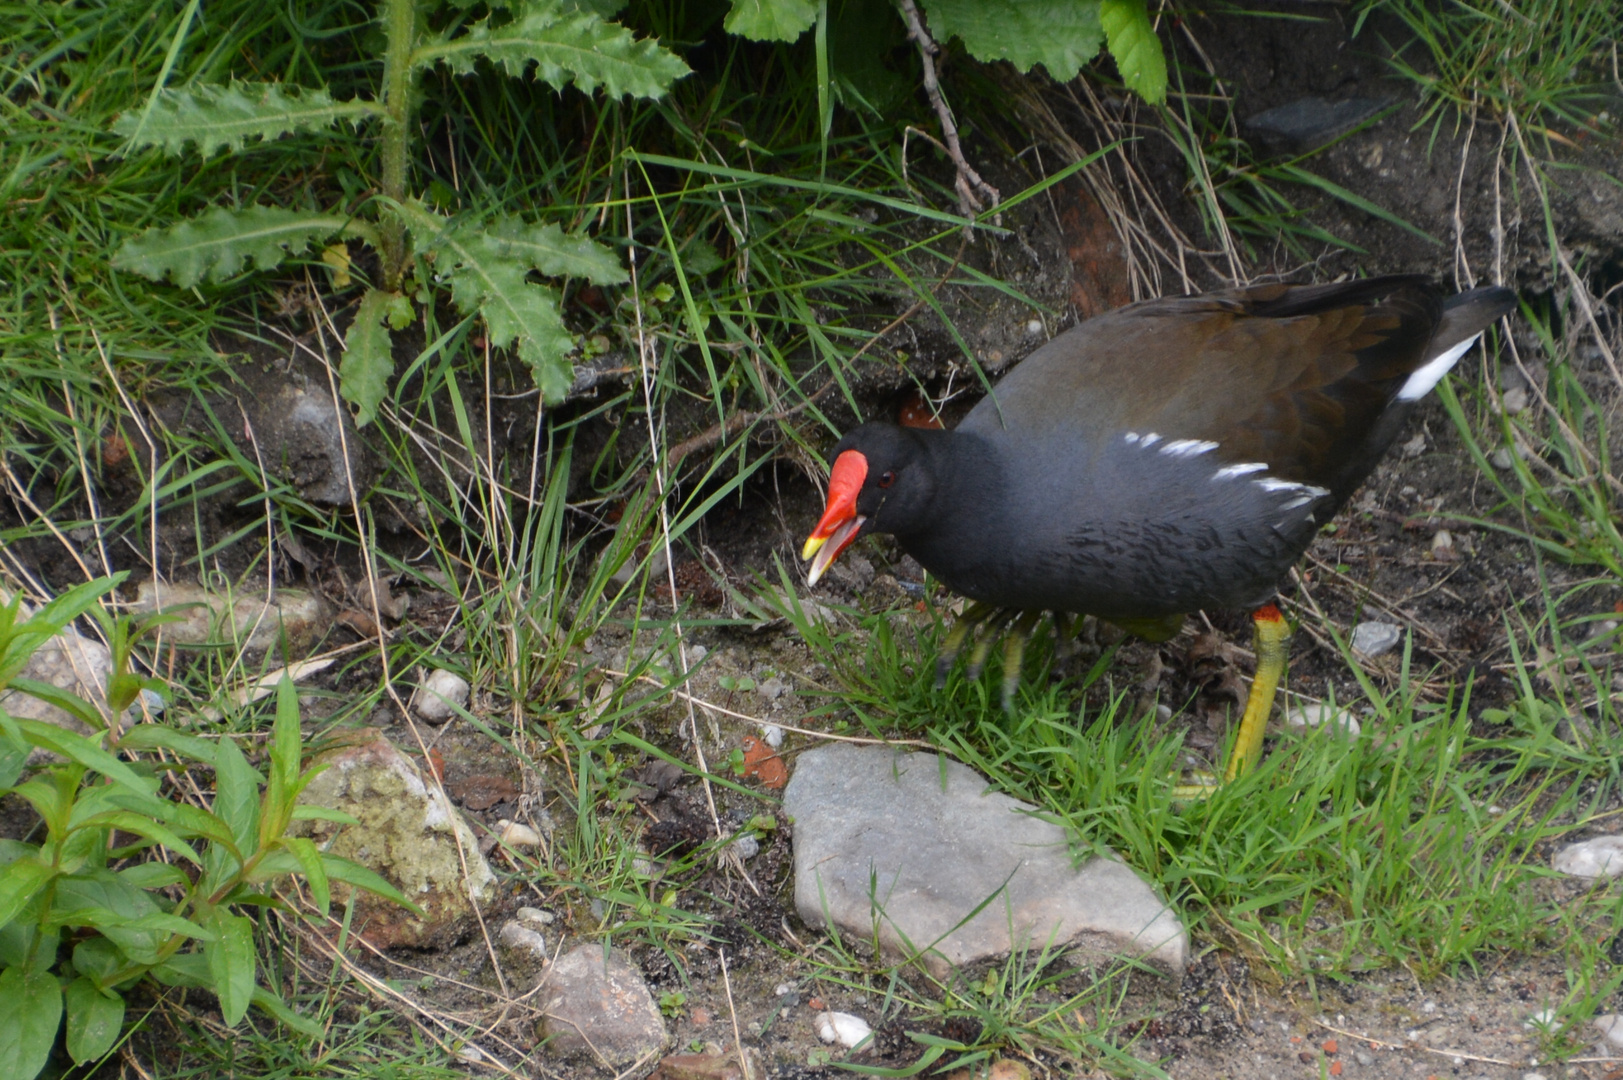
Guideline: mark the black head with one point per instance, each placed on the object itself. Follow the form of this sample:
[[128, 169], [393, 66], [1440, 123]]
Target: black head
[[883, 480]]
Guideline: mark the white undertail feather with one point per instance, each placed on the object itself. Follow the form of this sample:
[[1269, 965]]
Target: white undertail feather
[[1429, 375]]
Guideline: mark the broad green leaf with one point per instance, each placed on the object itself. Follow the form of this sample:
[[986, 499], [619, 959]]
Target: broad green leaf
[[1135, 48], [236, 794], [94, 1020], [13, 759], [284, 755], [104, 899], [565, 47], [226, 116], [70, 703], [216, 244], [307, 812], [353, 873], [85, 749], [1061, 35], [98, 958], [30, 1013], [316, 874], [147, 827], [368, 361], [154, 736], [484, 278], [274, 1005], [152, 875], [771, 20], [231, 964], [183, 969], [552, 251], [20, 881]]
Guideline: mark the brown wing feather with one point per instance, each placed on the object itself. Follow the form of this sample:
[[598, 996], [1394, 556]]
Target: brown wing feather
[[1294, 376]]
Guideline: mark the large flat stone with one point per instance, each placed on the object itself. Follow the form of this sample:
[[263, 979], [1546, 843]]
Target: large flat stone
[[913, 843]]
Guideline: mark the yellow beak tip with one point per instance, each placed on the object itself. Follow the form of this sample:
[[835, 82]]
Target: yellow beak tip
[[813, 543]]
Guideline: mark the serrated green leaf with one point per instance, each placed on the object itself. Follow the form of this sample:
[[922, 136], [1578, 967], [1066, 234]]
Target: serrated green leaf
[[363, 374], [517, 312], [1135, 48], [1061, 35], [217, 243], [565, 47], [30, 1012], [553, 252], [227, 116], [231, 964], [236, 794], [94, 1020], [771, 20]]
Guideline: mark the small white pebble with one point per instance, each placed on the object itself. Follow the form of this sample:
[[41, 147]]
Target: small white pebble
[[782, 989], [773, 734], [440, 696], [1442, 541], [1034, 327], [534, 916], [517, 835], [1541, 1019], [1515, 400], [746, 845], [1310, 717], [471, 1054], [843, 1028], [1429, 1007]]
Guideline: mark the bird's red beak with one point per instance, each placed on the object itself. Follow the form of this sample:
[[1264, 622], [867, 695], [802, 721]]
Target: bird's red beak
[[841, 521]]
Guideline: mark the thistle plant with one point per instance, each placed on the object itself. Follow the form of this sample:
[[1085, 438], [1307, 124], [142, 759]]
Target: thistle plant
[[485, 258]]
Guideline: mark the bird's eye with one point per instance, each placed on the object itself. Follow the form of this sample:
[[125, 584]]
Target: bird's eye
[[887, 478]]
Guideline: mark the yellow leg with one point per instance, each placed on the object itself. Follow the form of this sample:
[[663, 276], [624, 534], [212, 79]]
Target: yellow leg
[[1272, 632], [1014, 650]]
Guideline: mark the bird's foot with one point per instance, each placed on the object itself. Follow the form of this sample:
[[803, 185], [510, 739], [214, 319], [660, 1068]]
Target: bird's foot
[[1197, 787]]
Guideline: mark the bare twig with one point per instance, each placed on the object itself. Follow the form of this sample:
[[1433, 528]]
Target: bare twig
[[968, 181]]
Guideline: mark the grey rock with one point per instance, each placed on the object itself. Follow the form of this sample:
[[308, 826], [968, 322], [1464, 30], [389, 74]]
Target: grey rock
[[1599, 857], [1610, 1026], [524, 940], [246, 620], [304, 437], [409, 833], [598, 1004], [1309, 122], [772, 688], [913, 843], [1372, 639]]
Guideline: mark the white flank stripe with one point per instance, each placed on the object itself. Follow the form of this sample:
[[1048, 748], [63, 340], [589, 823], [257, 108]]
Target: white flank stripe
[[1229, 472], [1186, 448], [1428, 376]]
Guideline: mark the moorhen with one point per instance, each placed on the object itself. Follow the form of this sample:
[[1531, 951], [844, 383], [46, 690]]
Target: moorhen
[[1169, 456]]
